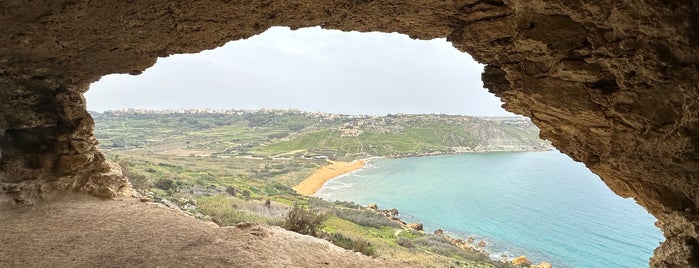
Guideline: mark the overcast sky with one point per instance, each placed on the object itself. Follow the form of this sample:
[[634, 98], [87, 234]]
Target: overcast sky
[[311, 70]]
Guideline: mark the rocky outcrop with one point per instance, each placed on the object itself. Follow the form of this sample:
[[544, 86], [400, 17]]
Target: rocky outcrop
[[613, 84], [415, 226], [521, 261]]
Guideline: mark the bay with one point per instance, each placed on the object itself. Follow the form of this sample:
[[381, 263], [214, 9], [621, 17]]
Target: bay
[[539, 204]]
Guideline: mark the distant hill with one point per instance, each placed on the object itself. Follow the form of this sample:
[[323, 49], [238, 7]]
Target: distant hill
[[282, 133]]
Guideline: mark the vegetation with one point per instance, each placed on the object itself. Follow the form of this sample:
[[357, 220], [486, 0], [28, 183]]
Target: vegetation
[[303, 220], [356, 245], [237, 166]]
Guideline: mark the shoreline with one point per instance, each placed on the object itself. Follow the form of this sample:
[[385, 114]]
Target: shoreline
[[320, 177], [470, 243], [317, 180]]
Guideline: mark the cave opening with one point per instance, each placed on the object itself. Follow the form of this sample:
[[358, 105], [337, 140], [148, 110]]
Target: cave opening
[[221, 84], [611, 84]]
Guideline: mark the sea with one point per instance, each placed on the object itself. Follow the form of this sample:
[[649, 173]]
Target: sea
[[542, 205]]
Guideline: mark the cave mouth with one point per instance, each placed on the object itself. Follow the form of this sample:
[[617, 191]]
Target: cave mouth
[[169, 83], [612, 84]]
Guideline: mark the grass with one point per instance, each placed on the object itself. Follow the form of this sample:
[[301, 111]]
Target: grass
[[230, 211]]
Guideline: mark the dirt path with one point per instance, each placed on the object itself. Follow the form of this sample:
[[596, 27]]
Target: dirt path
[[81, 231]]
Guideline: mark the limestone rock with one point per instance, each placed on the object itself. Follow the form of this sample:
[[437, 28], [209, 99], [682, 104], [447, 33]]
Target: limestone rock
[[393, 212], [415, 226], [521, 261], [542, 264]]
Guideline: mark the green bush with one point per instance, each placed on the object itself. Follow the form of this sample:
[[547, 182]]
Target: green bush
[[231, 190], [164, 184], [303, 221], [347, 204], [438, 244], [365, 218], [356, 245]]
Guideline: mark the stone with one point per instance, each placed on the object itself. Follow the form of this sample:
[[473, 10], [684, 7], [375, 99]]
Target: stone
[[415, 226], [393, 212], [438, 232], [521, 261], [542, 264], [245, 225], [612, 84], [169, 204], [372, 206]]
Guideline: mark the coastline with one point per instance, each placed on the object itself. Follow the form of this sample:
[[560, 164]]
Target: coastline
[[312, 184], [470, 243], [317, 180]]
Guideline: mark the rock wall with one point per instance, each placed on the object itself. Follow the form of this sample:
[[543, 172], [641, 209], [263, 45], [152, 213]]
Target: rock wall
[[613, 84]]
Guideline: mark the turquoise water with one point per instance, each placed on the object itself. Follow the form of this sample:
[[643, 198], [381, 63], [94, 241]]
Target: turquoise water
[[539, 204]]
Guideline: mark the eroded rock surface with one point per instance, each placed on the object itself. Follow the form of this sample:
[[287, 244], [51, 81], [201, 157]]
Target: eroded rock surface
[[613, 84]]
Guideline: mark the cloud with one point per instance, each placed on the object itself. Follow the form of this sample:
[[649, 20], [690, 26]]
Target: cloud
[[309, 69]]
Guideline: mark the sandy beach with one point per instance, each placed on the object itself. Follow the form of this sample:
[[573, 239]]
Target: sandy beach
[[312, 184]]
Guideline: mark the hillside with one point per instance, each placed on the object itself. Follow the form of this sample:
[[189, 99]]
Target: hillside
[[273, 132], [238, 166]]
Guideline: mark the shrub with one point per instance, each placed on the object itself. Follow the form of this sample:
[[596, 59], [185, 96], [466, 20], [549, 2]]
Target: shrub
[[230, 211], [365, 218], [404, 242], [278, 135], [318, 203], [356, 245], [164, 184], [246, 194], [230, 190], [438, 244], [347, 204], [138, 181], [303, 221]]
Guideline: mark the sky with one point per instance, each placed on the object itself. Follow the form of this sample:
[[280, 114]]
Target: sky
[[309, 69]]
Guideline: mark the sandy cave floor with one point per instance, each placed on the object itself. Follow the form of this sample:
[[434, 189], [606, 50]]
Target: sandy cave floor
[[83, 231]]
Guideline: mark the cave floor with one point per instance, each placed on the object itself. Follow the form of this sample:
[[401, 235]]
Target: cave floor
[[83, 231]]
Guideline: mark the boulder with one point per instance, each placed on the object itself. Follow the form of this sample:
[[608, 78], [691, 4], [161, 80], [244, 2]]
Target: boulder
[[542, 264], [521, 261], [393, 212], [415, 226]]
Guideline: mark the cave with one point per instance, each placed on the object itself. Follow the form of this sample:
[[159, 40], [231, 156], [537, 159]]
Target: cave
[[612, 84]]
